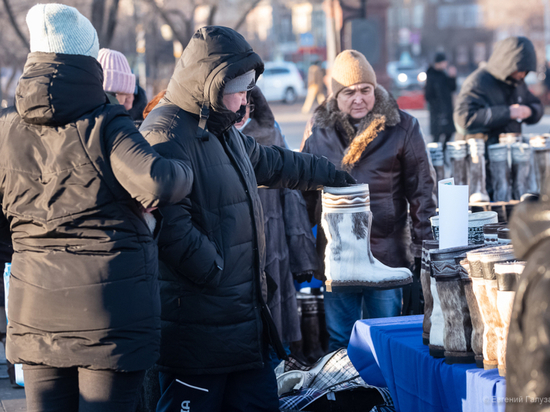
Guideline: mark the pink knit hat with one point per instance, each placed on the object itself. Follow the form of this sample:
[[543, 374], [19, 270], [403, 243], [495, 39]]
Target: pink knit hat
[[118, 77]]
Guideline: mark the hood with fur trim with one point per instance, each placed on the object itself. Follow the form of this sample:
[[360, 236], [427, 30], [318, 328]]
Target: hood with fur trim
[[385, 113]]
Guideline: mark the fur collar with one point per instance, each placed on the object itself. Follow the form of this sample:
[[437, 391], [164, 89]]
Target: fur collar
[[385, 113]]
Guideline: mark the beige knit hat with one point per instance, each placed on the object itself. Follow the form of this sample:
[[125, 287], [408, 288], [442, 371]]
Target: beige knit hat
[[351, 67]]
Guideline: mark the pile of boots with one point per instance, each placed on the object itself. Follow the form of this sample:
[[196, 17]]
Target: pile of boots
[[349, 263], [314, 343], [451, 325], [481, 270]]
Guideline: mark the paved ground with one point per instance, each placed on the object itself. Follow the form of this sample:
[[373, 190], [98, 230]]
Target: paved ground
[[293, 122]]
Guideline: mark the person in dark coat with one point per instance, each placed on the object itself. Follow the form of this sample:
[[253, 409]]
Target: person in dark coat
[[216, 326], [77, 183], [290, 245], [527, 354], [360, 128], [494, 99], [440, 85]]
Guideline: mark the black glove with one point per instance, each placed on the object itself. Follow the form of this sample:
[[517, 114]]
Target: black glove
[[342, 179], [303, 277]]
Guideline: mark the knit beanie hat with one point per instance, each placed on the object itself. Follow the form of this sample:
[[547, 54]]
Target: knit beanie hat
[[56, 28], [117, 76], [440, 57], [242, 83], [351, 67]]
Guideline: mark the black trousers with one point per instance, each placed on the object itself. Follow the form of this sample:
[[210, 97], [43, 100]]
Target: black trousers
[[247, 391], [80, 390]]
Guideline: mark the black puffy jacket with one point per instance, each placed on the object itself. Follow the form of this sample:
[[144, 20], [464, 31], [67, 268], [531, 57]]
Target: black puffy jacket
[[483, 105], [74, 174], [212, 249]]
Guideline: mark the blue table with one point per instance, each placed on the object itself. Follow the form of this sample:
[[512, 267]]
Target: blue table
[[389, 352]]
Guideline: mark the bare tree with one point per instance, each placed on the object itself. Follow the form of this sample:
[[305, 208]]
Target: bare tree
[[104, 18], [15, 24]]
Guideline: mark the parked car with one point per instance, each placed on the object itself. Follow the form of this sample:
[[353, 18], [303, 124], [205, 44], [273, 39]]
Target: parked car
[[282, 81], [406, 76]]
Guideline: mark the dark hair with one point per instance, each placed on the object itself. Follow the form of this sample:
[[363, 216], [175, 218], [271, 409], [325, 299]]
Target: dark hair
[[440, 57]]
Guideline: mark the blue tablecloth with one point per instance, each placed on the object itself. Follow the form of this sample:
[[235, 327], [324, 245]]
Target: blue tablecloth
[[389, 352]]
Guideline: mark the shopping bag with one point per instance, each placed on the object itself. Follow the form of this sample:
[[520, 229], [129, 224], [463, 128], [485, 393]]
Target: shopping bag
[[18, 367]]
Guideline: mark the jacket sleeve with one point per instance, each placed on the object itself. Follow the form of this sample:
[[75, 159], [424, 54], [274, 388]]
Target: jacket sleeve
[[430, 93], [419, 187], [183, 246], [473, 114], [301, 243], [186, 249], [451, 83], [149, 178], [535, 105], [276, 167]]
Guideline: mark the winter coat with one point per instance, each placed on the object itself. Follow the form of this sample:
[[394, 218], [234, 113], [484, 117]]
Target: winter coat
[[483, 105], [212, 249], [74, 175], [388, 152], [527, 355], [439, 95], [290, 245]]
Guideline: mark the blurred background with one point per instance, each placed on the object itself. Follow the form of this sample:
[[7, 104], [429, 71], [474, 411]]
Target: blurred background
[[398, 37]]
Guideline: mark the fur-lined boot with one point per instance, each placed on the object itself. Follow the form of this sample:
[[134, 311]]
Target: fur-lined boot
[[507, 275], [500, 172], [477, 174], [458, 151], [521, 169], [346, 222], [425, 271], [438, 159], [457, 327], [475, 314]]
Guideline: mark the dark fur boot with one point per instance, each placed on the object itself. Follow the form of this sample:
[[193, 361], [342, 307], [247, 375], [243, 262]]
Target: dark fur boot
[[457, 330], [542, 158], [425, 270], [475, 313]]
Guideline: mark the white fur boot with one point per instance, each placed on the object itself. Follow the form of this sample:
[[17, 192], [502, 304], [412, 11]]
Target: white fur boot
[[346, 221]]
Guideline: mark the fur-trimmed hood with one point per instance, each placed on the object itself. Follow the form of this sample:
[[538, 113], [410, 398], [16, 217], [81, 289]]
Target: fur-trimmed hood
[[385, 113]]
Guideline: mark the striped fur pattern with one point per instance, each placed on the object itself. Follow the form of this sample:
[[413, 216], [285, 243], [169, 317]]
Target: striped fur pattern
[[458, 325]]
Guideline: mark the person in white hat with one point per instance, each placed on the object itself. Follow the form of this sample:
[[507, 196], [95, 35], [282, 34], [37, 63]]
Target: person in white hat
[[75, 178]]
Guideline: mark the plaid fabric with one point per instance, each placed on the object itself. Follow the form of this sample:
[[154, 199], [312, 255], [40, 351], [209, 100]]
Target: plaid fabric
[[338, 374]]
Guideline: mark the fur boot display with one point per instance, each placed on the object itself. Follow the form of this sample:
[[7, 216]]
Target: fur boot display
[[484, 284], [458, 151], [507, 275], [425, 271], [477, 174], [347, 221], [521, 169], [438, 159], [500, 172], [457, 325]]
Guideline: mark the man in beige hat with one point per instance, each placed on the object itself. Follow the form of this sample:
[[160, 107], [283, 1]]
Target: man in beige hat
[[361, 129]]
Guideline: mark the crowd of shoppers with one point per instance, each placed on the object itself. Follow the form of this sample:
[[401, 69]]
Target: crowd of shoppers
[[154, 251]]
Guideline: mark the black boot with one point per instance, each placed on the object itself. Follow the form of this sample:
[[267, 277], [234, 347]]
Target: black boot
[[311, 330]]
